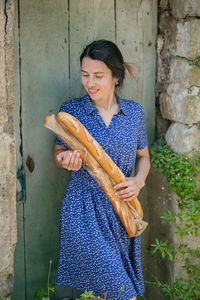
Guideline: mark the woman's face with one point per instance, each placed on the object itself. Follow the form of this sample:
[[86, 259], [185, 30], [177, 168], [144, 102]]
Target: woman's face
[[97, 79]]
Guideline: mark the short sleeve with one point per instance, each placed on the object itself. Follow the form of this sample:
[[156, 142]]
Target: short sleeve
[[142, 141], [59, 141]]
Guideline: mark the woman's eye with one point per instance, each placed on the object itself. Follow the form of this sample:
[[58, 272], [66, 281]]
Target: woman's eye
[[99, 77], [84, 75]]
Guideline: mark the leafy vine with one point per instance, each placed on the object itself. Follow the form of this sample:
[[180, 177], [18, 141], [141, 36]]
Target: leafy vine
[[182, 173]]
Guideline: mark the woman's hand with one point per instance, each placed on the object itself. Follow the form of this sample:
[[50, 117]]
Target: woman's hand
[[70, 160], [128, 190]]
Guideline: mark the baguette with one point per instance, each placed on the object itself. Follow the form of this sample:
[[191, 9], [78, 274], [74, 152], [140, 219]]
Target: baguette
[[95, 149], [131, 220]]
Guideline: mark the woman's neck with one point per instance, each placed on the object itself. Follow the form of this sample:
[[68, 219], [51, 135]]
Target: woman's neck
[[106, 104]]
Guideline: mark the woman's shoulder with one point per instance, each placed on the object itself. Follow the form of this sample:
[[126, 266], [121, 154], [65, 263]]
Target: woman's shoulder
[[70, 105], [131, 106]]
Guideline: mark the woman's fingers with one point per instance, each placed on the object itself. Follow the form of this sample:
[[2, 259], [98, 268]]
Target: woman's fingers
[[131, 197], [76, 161], [79, 163], [128, 194], [61, 156], [70, 160], [125, 194], [127, 190], [66, 159], [124, 191], [121, 185]]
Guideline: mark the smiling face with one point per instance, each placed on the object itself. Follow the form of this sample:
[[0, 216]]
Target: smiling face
[[97, 79]]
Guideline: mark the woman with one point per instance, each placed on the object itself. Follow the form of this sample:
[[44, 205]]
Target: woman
[[95, 252]]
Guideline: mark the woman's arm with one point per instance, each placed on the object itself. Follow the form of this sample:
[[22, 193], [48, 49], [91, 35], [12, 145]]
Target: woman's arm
[[67, 159], [142, 165], [128, 190]]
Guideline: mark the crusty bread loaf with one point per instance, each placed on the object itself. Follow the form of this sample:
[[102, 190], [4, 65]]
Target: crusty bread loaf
[[132, 221], [94, 148]]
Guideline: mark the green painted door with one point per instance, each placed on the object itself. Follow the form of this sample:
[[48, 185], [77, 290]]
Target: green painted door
[[49, 37]]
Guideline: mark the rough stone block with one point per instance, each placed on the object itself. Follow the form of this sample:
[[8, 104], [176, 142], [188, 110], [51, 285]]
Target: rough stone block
[[181, 105], [6, 153], [183, 73], [7, 204], [163, 4], [7, 9], [187, 39], [182, 138], [182, 8], [6, 245], [181, 101], [3, 118], [2, 55], [6, 286]]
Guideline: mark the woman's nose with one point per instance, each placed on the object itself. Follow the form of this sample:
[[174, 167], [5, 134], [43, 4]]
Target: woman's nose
[[90, 82]]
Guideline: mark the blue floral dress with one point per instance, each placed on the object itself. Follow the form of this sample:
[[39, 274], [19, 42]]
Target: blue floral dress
[[95, 251]]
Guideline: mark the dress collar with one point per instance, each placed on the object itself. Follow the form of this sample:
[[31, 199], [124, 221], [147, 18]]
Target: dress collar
[[90, 107]]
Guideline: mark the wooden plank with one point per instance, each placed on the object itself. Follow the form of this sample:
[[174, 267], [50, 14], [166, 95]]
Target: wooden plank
[[89, 20], [136, 37], [44, 51], [149, 11], [129, 40]]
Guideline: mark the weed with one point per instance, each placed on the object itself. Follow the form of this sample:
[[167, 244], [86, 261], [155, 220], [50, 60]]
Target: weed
[[195, 62], [86, 295], [44, 293]]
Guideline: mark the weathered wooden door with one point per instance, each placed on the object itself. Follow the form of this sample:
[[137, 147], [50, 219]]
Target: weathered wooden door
[[50, 35]]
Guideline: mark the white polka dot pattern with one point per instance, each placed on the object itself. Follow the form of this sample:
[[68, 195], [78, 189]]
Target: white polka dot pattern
[[95, 251]]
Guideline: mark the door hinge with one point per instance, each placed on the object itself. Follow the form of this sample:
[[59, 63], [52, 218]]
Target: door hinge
[[21, 185]]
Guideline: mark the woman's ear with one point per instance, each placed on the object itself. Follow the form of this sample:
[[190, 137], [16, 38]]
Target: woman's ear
[[116, 81]]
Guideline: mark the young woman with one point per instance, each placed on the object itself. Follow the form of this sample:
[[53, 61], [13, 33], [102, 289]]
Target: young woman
[[95, 252]]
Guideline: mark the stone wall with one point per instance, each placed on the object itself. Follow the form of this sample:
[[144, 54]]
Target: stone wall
[[7, 149], [178, 78], [178, 116]]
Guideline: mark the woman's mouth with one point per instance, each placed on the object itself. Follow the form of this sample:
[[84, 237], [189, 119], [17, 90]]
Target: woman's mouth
[[92, 91]]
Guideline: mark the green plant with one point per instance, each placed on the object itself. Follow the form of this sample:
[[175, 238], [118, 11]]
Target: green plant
[[1, 298], [182, 175], [121, 290], [44, 293], [86, 295], [195, 62], [164, 248], [89, 294]]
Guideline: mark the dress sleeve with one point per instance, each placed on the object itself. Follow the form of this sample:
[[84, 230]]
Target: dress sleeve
[[142, 141], [59, 141]]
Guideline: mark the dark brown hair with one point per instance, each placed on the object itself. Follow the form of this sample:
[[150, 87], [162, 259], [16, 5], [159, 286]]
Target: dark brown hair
[[109, 53]]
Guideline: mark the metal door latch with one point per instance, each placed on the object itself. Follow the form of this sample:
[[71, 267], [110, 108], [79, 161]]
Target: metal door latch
[[21, 185]]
